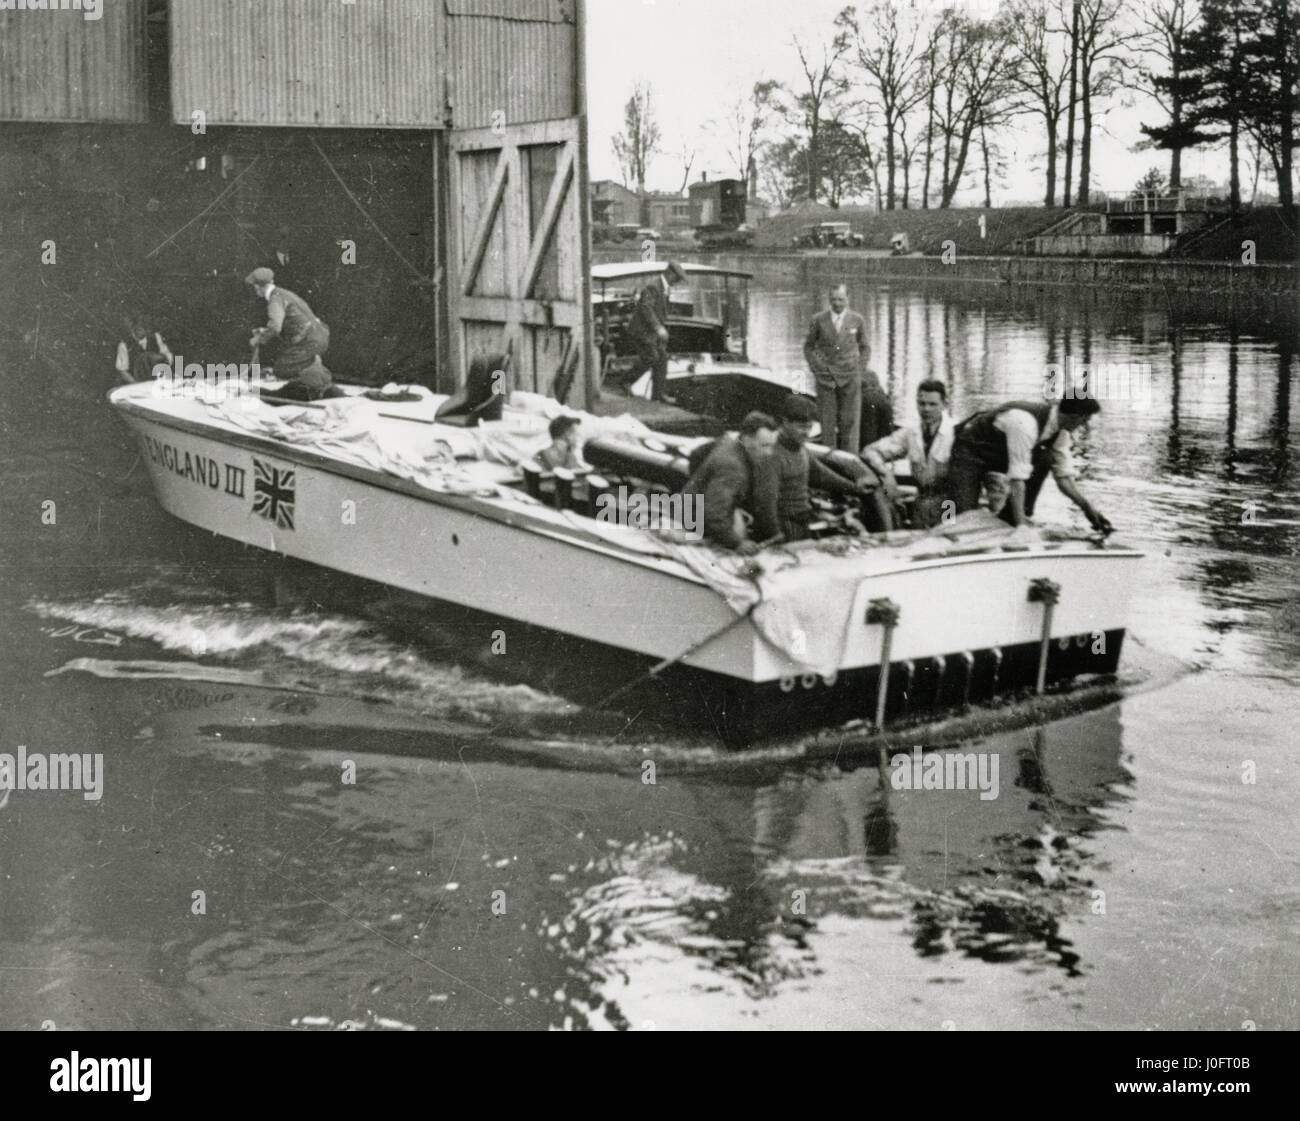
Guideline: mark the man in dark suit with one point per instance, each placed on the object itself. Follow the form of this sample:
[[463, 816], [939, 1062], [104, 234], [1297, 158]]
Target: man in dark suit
[[837, 352], [648, 328]]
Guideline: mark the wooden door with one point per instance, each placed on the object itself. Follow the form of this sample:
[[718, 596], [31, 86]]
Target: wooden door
[[516, 281]]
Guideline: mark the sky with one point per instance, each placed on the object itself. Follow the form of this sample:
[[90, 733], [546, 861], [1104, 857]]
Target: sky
[[698, 55]]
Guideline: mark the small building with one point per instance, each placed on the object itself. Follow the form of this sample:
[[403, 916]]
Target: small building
[[612, 204], [668, 211]]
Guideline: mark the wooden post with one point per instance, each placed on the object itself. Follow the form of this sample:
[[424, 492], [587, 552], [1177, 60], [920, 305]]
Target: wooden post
[[884, 612], [1047, 593]]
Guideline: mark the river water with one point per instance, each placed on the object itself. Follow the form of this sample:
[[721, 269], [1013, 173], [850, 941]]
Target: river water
[[307, 819]]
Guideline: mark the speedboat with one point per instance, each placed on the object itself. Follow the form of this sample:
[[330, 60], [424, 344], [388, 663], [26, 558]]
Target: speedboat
[[567, 572]]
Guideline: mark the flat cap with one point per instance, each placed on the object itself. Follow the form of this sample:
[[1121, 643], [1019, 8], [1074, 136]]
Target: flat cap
[[260, 276], [798, 408]]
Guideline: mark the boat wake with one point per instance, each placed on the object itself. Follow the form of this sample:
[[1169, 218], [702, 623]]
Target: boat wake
[[249, 645]]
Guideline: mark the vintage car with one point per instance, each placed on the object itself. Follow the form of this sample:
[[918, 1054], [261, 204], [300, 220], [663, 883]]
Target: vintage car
[[825, 235]]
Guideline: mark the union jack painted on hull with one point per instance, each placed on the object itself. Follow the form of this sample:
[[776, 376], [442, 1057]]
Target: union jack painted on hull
[[273, 493]]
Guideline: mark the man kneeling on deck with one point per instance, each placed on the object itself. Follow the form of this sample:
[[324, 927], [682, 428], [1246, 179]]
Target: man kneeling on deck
[[799, 473], [736, 484], [303, 339], [1026, 440]]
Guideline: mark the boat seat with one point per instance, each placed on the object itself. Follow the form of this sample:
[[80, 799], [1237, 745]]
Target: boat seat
[[476, 400]]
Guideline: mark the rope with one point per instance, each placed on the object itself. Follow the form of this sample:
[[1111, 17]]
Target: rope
[[211, 206], [435, 280], [655, 670]]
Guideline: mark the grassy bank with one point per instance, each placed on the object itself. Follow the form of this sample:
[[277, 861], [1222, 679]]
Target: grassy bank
[[927, 230]]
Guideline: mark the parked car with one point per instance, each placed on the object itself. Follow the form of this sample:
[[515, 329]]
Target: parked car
[[625, 231], [825, 235], [648, 232]]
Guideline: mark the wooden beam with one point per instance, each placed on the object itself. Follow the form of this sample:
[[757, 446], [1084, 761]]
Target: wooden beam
[[483, 233], [550, 215]]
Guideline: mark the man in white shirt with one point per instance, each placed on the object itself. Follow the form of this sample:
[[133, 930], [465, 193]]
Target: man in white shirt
[[927, 446], [1024, 440]]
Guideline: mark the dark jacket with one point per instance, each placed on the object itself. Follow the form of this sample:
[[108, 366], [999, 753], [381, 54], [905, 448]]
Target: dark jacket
[[799, 473], [290, 317], [977, 438], [837, 358], [731, 479], [650, 313]]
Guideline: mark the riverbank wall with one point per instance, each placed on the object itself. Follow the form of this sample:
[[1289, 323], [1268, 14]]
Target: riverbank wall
[[1187, 276]]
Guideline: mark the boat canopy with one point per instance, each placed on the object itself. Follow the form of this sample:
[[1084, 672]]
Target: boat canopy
[[623, 270]]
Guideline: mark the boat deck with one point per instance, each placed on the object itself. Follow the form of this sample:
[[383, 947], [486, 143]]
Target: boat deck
[[658, 415]]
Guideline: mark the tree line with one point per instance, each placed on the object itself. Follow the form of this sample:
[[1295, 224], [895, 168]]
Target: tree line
[[906, 102]]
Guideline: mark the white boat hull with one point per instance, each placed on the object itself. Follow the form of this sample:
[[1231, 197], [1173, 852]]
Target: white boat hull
[[533, 568]]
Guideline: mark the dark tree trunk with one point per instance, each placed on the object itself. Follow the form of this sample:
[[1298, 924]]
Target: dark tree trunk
[[958, 166], [1287, 107], [1176, 122], [1234, 169], [907, 176], [947, 152], [814, 166], [1085, 145], [1050, 199], [889, 165], [929, 142], [988, 186], [1073, 99]]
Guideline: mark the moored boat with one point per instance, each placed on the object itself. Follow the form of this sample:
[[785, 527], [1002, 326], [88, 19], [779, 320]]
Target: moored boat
[[709, 367], [819, 632]]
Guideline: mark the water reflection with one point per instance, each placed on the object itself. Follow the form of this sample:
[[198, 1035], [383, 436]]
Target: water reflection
[[329, 901]]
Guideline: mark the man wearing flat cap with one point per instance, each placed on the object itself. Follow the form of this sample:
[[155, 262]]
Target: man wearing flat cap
[[303, 338], [799, 473], [648, 328]]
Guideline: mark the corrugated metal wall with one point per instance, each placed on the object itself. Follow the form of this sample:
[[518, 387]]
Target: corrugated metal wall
[[377, 63], [516, 56], [60, 66]]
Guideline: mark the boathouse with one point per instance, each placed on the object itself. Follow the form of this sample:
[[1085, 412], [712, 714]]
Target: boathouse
[[416, 168]]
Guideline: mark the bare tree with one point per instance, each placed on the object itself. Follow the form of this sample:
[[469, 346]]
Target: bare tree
[[1042, 74], [1165, 27], [1072, 29], [1104, 45], [686, 152], [891, 54], [930, 79], [822, 81], [637, 144], [742, 127], [974, 62], [856, 117]]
